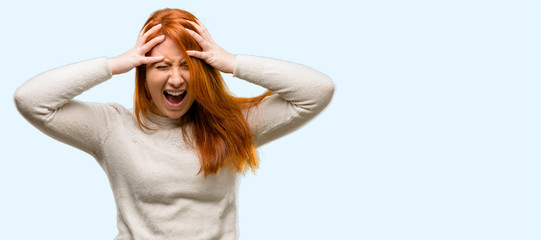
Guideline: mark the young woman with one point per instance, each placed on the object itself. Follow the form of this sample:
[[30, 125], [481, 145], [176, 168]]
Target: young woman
[[173, 161]]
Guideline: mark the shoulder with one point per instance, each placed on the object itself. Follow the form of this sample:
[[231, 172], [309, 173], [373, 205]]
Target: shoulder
[[118, 111], [116, 108], [105, 114]]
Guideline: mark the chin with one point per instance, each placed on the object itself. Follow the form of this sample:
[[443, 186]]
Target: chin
[[175, 115]]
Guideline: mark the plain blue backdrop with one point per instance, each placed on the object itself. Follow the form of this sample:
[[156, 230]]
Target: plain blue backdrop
[[433, 133]]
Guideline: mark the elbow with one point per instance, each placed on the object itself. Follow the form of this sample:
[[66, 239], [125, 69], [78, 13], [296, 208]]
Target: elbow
[[24, 102], [21, 100], [330, 88], [327, 89], [320, 95]]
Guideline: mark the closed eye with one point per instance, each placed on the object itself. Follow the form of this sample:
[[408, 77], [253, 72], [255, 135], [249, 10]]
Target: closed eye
[[161, 67]]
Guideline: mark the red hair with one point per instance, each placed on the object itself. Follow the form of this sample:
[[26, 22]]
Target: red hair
[[220, 133]]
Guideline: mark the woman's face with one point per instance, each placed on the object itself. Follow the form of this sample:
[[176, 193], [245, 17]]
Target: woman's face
[[167, 81]]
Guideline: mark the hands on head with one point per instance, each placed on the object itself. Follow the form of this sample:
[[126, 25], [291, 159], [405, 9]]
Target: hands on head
[[211, 53], [136, 56]]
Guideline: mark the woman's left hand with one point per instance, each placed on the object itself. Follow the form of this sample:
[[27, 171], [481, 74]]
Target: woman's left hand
[[211, 53]]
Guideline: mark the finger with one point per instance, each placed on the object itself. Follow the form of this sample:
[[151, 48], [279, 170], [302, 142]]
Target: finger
[[200, 28], [195, 25], [152, 30], [152, 43], [200, 40], [196, 54], [141, 33], [142, 38], [202, 31], [149, 60], [200, 24]]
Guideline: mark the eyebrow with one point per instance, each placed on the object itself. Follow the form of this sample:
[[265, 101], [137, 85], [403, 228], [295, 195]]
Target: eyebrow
[[167, 62], [154, 63]]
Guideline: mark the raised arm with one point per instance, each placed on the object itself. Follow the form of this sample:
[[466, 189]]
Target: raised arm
[[47, 102], [300, 92]]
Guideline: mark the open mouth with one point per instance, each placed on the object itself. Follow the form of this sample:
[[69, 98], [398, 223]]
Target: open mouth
[[174, 98]]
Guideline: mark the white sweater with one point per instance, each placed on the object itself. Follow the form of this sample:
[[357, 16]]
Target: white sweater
[[153, 174]]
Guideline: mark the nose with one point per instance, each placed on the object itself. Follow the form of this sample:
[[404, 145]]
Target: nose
[[175, 78]]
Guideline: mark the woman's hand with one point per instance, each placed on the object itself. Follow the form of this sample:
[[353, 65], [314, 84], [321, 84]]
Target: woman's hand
[[212, 54], [136, 56]]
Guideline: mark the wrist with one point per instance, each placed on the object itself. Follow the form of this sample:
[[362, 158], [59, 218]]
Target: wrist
[[233, 63], [112, 65]]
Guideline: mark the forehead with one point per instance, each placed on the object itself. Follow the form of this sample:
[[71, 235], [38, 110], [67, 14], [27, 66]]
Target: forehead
[[168, 49]]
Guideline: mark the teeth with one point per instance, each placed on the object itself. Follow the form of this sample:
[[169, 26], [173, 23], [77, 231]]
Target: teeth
[[174, 93]]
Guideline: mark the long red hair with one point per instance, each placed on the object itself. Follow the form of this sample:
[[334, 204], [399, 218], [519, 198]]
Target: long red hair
[[220, 133]]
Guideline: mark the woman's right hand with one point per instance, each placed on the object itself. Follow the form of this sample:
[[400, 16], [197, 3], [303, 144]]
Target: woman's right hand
[[136, 56]]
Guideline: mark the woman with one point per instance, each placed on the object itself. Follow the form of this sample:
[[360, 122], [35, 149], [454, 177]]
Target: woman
[[174, 160]]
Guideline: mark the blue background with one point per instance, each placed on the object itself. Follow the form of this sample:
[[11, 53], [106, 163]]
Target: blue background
[[433, 133]]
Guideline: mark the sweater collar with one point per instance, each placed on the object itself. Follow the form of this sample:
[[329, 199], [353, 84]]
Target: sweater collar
[[158, 121]]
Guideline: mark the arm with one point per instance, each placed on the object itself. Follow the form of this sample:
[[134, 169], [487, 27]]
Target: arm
[[47, 102], [301, 92]]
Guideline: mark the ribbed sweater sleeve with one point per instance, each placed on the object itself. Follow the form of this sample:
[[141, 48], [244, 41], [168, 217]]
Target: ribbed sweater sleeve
[[300, 94], [46, 101]]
